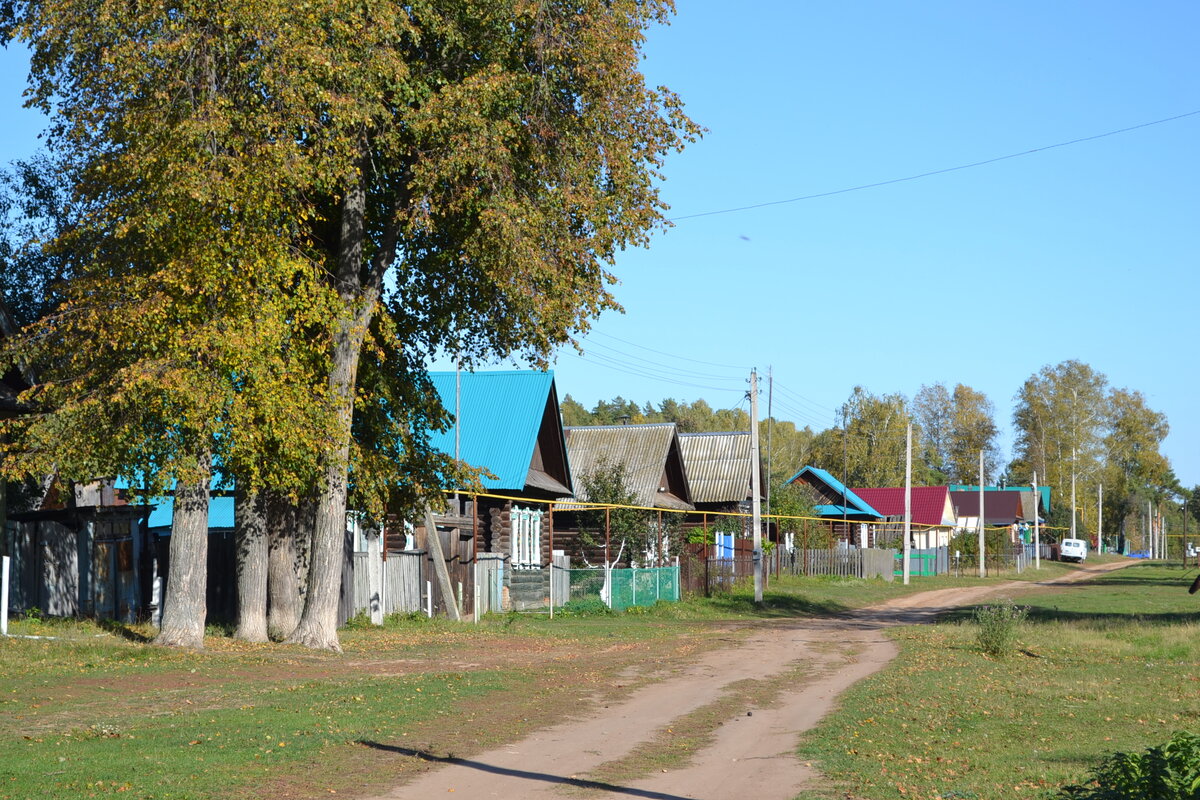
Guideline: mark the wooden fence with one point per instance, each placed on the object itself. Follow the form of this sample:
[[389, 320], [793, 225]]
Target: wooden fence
[[846, 562]]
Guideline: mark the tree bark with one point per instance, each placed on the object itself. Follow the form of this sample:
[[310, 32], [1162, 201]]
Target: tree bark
[[184, 603], [318, 622], [251, 535], [289, 529]]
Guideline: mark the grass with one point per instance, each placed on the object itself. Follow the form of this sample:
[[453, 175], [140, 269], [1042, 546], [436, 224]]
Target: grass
[[92, 710], [1112, 664]]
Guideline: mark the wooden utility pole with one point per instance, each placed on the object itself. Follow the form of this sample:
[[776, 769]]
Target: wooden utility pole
[[908, 504], [433, 542], [755, 489], [982, 544]]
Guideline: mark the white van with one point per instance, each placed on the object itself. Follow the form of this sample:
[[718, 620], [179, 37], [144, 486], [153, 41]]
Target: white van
[[1072, 550]]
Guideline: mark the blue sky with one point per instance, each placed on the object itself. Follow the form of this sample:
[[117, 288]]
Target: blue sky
[[979, 276]]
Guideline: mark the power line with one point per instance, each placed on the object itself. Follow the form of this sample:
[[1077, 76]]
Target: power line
[[618, 366], [931, 173], [659, 365], [669, 355]]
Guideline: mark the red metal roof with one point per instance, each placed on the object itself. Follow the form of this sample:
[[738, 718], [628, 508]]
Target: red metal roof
[[928, 502]]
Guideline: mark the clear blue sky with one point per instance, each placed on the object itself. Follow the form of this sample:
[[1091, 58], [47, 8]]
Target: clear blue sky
[[979, 276]]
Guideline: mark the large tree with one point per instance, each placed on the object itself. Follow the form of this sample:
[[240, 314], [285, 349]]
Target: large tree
[[438, 178], [1059, 422], [955, 427], [870, 443]]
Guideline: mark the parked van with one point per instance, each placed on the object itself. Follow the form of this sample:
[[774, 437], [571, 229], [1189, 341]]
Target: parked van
[[1072, 550]]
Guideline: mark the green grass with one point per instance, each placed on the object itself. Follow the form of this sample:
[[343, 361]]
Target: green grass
[[1109, 665]]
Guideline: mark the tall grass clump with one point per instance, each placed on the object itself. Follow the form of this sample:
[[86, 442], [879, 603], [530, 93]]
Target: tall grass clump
[[998, 624], [1169, 771]]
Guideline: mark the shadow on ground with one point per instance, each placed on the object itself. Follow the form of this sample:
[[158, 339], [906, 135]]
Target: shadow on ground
[[544, 777]]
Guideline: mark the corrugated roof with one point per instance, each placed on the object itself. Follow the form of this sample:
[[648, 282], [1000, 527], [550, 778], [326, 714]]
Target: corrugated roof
[[1043, 490], [718, 466], [999, 508], [500, 414], [833, 490], [928, 503], [643, 449]]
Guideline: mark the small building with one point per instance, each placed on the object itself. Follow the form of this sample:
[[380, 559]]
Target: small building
[[933, 517], [1000, 509], [652, 457], [507, 422], [849, 517], [720, 470]]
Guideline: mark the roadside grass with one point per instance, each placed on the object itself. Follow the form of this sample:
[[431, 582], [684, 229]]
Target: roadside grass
[[1104, 665], [93, 710]]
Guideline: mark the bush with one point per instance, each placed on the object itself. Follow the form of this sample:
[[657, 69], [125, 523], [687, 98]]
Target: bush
[[1167, 772], [585, 607], [998, 624]]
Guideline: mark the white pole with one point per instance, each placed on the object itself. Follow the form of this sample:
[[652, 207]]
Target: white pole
[[908, 504], [4, 596], [1037, 529], [1073, 536], [429, 599], [756, 489], [1100, 519], [982, 545], [1150, 528]]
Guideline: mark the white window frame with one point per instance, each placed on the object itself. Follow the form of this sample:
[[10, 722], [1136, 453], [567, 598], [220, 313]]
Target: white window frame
[[526, 538]]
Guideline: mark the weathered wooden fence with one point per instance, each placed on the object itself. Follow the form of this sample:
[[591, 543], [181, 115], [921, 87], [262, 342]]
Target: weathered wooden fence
[[846, 562]]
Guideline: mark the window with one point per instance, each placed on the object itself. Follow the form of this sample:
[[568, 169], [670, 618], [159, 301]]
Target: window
[[526, 538]]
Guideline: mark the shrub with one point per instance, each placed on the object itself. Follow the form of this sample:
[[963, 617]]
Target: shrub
[[585, 607], [1166, 772], [998, 624]]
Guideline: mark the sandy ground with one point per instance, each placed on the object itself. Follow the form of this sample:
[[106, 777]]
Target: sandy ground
[[752, 754]]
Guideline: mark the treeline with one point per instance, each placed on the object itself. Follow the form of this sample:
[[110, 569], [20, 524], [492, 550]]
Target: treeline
[[1067, 421]]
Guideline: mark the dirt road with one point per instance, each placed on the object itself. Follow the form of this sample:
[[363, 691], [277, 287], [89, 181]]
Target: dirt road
[[752, 753]]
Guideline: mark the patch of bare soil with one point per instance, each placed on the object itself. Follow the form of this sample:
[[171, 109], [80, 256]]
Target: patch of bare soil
[[751, 753]]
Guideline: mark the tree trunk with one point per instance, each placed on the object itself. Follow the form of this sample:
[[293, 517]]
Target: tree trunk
[[250, 532], [184, 603], [318, 623], [289, 529]]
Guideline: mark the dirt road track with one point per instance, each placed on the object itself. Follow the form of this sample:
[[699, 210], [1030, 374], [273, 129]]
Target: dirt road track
[[751, 756]]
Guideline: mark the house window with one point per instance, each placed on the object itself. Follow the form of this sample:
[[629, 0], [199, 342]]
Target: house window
[[526, 538]]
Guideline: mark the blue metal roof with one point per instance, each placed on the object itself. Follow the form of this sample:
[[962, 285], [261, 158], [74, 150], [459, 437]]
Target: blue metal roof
[[220, 512], [854, 503], [500, 414]]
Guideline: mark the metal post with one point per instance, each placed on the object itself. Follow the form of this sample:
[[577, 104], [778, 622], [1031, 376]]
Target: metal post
[[607, 536]]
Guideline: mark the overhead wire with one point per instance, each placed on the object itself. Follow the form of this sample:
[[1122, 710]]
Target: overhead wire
[[931, 173], [659, 365], [669, 355]]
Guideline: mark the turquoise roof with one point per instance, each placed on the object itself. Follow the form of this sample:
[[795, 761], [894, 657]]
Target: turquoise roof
[[854, 505], [500, 414]]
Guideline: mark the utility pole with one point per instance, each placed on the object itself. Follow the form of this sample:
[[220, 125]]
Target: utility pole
[[755, 489], [1100, 519], [908, 504], [770, 431], [982, 545], [1037, 529], [1073, 453]]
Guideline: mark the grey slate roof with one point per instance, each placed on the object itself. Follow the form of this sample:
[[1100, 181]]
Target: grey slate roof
[[718, 466], [651, 455]]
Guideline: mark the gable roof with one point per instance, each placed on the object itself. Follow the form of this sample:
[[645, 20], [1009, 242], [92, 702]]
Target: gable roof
[[930, 504], [509, 423], [1043, 492], [651, 454], [999, 508], [841, 500], [718, 466]]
